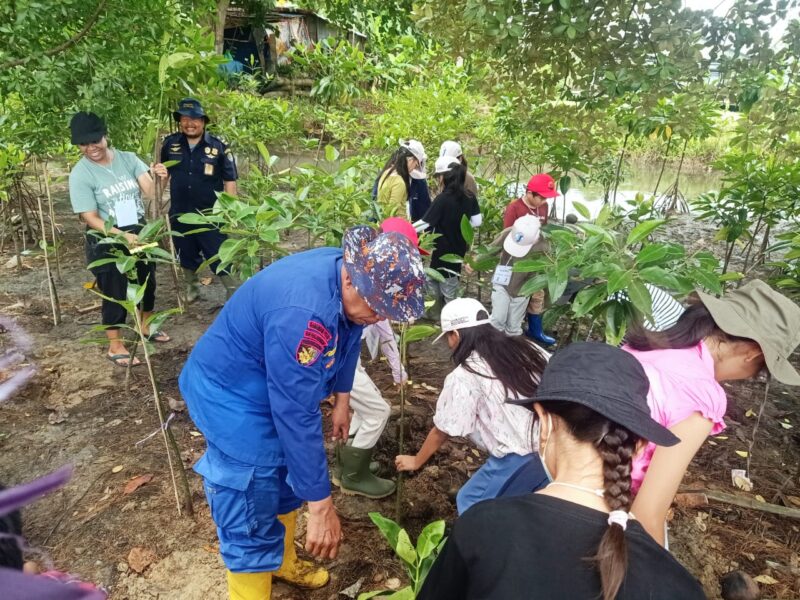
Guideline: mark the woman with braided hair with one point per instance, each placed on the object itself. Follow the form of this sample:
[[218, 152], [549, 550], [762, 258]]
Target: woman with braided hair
[[575, 538]]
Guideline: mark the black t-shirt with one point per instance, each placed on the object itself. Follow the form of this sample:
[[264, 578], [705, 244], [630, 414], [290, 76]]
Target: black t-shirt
[[535, 547], [444, 217]]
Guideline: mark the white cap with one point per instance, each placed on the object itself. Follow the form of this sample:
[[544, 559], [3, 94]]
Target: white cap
[[416, 148], [444, 164], [523, 235], [450, 148], [460, 314]]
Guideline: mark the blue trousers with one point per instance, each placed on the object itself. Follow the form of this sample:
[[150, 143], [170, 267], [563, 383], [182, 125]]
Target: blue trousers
[[245, 502], [512, 475]]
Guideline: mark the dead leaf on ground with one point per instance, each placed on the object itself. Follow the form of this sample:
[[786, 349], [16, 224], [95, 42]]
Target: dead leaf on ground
[[117, 469], [206, 280], [765, 579], [137, 482], [141, 558]]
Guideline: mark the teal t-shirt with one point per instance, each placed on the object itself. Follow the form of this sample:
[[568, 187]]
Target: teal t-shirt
[[113, 191]]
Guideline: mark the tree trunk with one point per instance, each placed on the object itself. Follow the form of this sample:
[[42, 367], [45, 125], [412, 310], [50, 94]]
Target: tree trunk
[[619, 168], [219, 26], [663, 166], [680, 164]]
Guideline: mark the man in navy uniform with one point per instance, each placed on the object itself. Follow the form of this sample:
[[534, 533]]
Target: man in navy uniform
[[206, 166], [288, 338]]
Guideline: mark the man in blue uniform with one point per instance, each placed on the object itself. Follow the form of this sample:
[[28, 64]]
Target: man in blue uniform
[[287, 339], [206, 166]]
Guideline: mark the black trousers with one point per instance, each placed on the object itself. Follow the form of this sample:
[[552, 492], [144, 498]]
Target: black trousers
[[114, 284], [195, 248]]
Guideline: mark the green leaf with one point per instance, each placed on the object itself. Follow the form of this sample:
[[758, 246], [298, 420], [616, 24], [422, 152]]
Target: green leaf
[[581, 209], [640, 298], [262, 150], [467, 231], [531, 265], [587, 299], [651, 253], [566, 180], [429, 538], [708, 280], [616, 323], [416, 333], [660, 277], [126, 263], [404, 549], [434, 274], [557, 282], [171, 163], [533, 285], [387, 527], [618, 280], [452, 258], [331, 153], [642, 230]]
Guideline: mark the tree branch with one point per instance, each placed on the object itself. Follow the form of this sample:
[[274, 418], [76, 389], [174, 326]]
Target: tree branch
[[61, 47]]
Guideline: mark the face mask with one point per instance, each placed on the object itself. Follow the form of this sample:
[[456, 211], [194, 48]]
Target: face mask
[[537, 432]]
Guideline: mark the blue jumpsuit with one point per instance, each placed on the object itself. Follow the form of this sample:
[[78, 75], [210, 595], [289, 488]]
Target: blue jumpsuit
[[253, 385], [194, 182]]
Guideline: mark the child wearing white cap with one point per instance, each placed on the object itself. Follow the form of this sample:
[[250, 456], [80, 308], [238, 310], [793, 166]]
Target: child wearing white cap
[[490, 368], [509, 304]]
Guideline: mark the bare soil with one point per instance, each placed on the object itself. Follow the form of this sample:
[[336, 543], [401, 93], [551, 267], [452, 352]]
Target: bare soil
[[76, 411]]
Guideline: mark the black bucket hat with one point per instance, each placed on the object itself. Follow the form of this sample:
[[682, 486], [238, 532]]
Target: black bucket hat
[[605, 379], [189, 107], [86, 128]]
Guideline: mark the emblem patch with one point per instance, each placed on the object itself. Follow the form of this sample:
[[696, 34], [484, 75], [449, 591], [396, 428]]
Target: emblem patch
[[312, 345]]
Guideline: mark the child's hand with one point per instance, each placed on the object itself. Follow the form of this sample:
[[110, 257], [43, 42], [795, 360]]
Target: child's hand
[[404, 462]]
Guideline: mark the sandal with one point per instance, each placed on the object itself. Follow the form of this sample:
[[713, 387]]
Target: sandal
[[158, 337], [118, 359]]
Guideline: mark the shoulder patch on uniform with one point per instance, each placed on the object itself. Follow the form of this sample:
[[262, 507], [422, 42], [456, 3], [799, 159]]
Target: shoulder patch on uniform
[[307, 354], [312, 345]]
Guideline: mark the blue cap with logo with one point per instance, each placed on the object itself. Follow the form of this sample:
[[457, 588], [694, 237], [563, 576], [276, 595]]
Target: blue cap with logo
[[189, 107]]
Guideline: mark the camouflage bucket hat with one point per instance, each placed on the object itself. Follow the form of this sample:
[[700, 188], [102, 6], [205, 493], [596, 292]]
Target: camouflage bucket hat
[[387, 272], [757, 312]]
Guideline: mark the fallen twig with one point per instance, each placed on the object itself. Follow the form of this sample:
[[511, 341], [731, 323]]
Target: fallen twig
[[746, 502]]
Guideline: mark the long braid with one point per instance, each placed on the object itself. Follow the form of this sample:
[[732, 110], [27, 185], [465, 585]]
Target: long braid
[[617, 448]]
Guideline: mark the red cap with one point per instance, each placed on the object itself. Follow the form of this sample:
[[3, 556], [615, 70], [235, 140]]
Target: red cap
[[542, 184], [403, 227]]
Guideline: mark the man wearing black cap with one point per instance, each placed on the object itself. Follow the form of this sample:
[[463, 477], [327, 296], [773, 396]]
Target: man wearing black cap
[[206, 167]]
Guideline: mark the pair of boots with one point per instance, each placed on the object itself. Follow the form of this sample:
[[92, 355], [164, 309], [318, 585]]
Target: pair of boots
[[535, 331], [354, 473], [192, 289], [302, 573]]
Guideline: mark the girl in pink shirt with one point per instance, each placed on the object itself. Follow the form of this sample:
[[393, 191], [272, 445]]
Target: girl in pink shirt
[[719, 339]]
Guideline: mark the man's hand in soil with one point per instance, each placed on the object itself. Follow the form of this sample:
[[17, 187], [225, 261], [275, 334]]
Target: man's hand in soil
[[323, 532], [406, 462], [341, 417]]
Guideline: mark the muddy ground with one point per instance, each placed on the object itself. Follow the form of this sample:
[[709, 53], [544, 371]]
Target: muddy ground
[[76, 411]]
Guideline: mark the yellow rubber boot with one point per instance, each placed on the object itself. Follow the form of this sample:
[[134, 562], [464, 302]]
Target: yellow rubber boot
[[249, 586], [302, 573]]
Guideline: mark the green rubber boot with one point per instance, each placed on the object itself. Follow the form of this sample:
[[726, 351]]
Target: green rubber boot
[[356, 478], [336, 471], [229, 283], [191, 285]]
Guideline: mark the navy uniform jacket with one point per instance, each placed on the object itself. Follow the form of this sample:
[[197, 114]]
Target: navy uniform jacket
[[254, 381], [196, 179]]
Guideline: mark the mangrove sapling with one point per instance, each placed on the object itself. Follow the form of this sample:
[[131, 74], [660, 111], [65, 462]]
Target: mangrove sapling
[[148, 251], [52, 215], [407, 335], [416, 560], [51, 286]]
